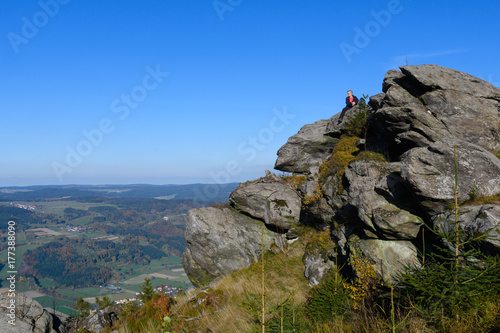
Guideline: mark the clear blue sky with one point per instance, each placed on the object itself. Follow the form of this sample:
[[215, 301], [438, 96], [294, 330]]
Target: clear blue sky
[[186, 91]]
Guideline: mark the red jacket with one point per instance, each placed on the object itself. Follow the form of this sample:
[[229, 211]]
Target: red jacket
[[354, 99]]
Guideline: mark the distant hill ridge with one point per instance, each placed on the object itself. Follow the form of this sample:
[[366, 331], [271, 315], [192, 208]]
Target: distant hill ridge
[[195, 192]]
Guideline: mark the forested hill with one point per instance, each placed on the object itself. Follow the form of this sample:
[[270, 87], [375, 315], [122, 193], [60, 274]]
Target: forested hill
[[204, 193]]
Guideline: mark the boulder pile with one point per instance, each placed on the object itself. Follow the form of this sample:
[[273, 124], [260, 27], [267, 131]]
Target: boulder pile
[[374, 193]]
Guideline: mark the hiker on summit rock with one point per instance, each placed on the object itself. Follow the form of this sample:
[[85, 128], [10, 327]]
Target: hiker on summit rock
[[350, 101]]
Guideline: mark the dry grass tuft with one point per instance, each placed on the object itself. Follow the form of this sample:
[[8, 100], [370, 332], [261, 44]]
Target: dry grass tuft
[[284, 275]]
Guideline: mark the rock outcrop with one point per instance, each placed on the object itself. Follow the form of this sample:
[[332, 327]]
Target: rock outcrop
[[29, 316], [220, 241], [102, 320], [306, 150], [269, 199], [423, 104], [430, 173], [379, 196], [376, 206]]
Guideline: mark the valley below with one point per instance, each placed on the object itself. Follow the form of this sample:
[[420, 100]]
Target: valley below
[[85, 243]]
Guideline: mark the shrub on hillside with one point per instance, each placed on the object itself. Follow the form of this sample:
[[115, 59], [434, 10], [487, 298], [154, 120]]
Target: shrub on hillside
[[329, 299]]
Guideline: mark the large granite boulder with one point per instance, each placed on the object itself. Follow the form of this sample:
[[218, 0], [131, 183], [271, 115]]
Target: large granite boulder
[[317, 205], [29, 316], [423, 104], [469, 117], [398, 96], [102, 320], [430, 173], [270, 199], [377, 193], [336, 129], [220, 241], [316, 266], [306, 150], [319, 257], [432, 77], [389, 257], [410, 126]]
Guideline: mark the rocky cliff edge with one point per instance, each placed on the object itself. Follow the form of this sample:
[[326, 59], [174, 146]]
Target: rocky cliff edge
[[375, 189]]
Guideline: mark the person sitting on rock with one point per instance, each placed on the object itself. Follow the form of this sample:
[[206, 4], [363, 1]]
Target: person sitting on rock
[[350, 101]]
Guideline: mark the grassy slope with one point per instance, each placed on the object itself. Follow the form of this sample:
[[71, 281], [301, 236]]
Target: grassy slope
[[283, 276]]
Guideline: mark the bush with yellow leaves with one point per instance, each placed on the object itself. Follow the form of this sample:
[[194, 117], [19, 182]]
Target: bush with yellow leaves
[[365, 280]]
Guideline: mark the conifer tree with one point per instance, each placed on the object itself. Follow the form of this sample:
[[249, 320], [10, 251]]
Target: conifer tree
[[457, 276], [147, 291]]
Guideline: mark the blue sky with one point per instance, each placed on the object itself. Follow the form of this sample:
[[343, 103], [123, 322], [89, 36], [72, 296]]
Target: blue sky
[[184, 91]]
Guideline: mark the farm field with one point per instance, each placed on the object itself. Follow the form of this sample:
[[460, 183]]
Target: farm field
[[133, 239]]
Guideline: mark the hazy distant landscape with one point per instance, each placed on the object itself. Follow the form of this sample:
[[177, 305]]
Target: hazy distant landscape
[[87, 241]]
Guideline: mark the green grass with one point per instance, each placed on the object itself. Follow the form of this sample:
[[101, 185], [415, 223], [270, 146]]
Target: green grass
[[115, 297], [174, 260], [70, 293], [90, 292], [57, 207], [83, 292], [20, 238], [22, 286], [82, 221], [67, 311], [156, 266], [94, 234], [48, 283], [155, 283], [48, 302], [133, 287]]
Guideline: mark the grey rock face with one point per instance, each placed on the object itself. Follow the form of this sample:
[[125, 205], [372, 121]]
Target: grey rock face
[[430, 173], [306, 150], [29, 316], [423, 104], [318, 259], [101, 320], [474, 220], [376, 101], [336, 129], [389, 256], [466, 116], [269, 199], [379, 198], [316, 266], [318, 212], [390, 79], [436, 77], [220, 241], [412, 125], [398, 96]]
